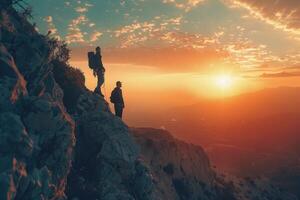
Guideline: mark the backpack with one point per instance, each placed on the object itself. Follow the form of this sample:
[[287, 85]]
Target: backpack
[[92, 61], [113, 97]]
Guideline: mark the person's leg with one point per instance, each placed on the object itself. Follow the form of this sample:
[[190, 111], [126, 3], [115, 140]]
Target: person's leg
[[101, 79], [118, 110], [100, 82], [97, 90], [121, 112]]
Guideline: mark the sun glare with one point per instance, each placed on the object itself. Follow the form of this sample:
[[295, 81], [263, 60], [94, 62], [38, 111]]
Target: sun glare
[[224, 81]]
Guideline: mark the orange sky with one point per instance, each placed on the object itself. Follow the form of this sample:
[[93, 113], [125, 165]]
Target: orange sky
[[147, 89]]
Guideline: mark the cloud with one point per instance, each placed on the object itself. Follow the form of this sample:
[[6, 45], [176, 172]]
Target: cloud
[[186, 5], [280, 74], [190, 41], [165, 59], [92, 24], [163, 42], [282, 14], [81, 9], [95, 36], [75, 35], [139, 33], [48, 19], [82, 22], [52, 30]]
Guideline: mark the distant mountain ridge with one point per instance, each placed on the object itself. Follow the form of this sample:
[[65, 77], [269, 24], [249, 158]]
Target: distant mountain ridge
[[254, 134]]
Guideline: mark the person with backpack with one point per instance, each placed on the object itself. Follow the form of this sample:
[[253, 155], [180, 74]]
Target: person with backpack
[[95, 63], [117, 99]]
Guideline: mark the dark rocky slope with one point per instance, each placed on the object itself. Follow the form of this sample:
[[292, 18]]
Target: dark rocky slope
[[181, 171], [37, 132], [41, 114]]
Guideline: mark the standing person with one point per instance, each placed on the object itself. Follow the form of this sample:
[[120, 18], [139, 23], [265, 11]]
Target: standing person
[[95, 63], [117, 99]]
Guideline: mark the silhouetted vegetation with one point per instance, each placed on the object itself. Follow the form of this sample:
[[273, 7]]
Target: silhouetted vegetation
[[59, 49], [71, 80]]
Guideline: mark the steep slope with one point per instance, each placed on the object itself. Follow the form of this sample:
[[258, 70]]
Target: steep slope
[[106, 162], [37, 134], [182, 172], [248, 135]]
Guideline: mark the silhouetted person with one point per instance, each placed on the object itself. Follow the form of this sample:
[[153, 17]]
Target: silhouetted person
[[117, 99], [95, 63]]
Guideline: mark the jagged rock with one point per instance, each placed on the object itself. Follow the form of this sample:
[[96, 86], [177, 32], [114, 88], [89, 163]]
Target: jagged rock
[[89, 102], [12, 83], [36, 133], [182, 171], [106, 159]]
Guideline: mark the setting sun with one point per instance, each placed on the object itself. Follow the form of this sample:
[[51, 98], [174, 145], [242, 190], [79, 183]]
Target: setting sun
[[224, 81]]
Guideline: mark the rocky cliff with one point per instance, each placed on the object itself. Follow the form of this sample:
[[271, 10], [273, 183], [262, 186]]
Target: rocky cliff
[[60, 141], [36, 133], [38, 126], [182, 171]]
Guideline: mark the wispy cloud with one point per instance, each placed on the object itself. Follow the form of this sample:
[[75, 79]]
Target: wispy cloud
[[138, 33], [81, 9], [186, 5], [281, 14], [75, 35], [52, 30], [75, 32], [95, 36], [280, 74]]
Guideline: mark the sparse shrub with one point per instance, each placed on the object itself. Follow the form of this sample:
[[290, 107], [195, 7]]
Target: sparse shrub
[[71, 80], [59, 49]]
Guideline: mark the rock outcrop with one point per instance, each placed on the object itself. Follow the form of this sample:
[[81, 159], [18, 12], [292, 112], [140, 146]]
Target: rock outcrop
[[106, 162], [181, 171], [36, 133]]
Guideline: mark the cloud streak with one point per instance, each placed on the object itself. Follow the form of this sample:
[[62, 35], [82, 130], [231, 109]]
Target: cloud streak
[[52, 30], [186, 5], [280, 74], [281, 14], [75, 35]]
